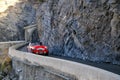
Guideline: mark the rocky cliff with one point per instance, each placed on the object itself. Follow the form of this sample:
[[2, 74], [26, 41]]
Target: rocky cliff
[[85, 29], [14, 15]]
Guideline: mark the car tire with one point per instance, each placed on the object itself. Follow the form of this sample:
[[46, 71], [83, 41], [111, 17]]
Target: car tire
[[46, 54]]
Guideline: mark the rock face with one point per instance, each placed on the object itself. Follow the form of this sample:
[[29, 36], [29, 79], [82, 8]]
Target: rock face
[[86, 29], [14, 18]]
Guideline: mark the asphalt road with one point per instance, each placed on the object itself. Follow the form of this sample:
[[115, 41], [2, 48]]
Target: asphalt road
[[106, 66]]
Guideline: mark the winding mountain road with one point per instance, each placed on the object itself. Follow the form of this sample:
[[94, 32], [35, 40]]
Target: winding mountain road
[[106, 66]]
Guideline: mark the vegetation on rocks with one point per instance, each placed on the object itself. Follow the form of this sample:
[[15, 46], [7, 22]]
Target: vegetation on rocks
[[5, 64]]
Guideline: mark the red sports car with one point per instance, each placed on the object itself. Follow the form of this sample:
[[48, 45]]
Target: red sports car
[[38, 49]]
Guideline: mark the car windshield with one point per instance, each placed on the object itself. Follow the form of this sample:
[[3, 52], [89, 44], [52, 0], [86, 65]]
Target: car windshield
[[33, 44]]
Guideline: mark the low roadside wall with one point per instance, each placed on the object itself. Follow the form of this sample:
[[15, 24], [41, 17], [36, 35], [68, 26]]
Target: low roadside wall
[[4, 46], [80, 71]]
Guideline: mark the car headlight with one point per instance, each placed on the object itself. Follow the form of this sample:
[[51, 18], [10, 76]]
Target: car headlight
[[32, 48]]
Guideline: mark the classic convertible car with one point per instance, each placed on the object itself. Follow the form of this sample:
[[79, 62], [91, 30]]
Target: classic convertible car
[[38, 49]]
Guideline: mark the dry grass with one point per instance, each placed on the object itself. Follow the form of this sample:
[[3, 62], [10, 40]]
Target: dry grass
[[5, 61], [4, 54]]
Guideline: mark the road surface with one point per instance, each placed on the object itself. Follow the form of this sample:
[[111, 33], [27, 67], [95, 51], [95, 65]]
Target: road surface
[[106, 66]]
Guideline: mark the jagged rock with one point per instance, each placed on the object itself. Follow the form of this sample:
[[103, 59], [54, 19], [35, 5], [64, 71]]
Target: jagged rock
[[112, 1], [14, 19], [86, 29], [81, 28]]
